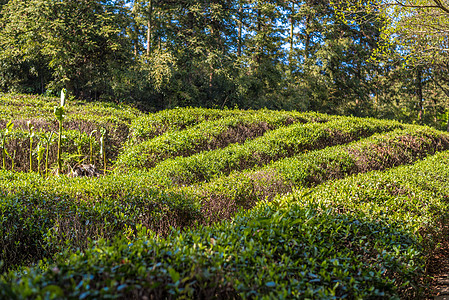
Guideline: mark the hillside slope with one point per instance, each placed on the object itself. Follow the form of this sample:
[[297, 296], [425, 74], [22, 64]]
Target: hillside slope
[[225, 204]]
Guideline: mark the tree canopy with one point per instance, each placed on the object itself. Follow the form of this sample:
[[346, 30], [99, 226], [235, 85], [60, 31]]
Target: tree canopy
[[382, 58]]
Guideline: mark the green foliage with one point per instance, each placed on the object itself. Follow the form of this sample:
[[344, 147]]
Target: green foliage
[[91, 141], [81, 116], [208, 135], [273, 145], [4, 138], [60, 116], [223, 196], [361, 237], [162, 232], [74, 41], [40, 110], [274, 54], [118, 201], [48, 139], [103, 145], [72, 141], [152, 125], [48, 209]]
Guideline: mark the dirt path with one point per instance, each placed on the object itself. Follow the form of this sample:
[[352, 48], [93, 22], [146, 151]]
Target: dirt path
[[438, 268]]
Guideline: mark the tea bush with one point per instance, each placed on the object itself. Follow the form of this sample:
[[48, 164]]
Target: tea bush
[[273, 145], [42, 216], [151, 125], [201, 214], [80, 116], [106, 206], [39, 109], [366, 236], [207, 135], [222, 197]]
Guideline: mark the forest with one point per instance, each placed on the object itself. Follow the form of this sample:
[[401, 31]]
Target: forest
[[382, 59]]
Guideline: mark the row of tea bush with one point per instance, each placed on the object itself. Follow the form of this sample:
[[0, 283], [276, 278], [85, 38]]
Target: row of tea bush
[[207, 135], [43, 216], [366, 236], [273, 145]]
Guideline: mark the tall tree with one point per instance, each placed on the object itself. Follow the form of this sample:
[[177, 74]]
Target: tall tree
[[418, 28], [79, 40]]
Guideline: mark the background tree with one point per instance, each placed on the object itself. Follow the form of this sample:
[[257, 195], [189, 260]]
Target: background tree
[[79, 41], [366, 58]]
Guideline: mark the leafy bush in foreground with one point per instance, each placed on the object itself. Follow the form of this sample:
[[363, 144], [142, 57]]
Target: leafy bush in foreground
[[360, 237], [43, 216], [40, 215]]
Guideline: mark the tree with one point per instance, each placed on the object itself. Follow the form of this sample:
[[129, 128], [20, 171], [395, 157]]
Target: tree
[[418, 31], [80, 41]]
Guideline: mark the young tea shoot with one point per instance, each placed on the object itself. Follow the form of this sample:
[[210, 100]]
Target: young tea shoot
[[91, 141], [79, 143], [103, 135], [4, 137], [31, 134], [48, 137], [13, 158], [60, 115], [40, 149]]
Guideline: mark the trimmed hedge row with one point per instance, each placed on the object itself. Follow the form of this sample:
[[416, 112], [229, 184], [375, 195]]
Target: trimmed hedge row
[[79, 115], [152, 125], [207, 135], [222, 197], [272, 146], [361, 237], [41, 214]]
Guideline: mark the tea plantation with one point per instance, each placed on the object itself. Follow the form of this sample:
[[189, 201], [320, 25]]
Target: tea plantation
[[194, 203]]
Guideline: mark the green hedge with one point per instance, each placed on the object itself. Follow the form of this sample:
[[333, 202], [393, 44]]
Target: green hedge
[[273, 145], [151, 125], [207, 135], [80, 116], [222, 197], [366, 236], [18, 107], [40, 214]]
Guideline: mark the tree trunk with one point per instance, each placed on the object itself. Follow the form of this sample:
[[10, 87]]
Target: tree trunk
[[292, 24], [259, 27], [307, 42], [149, 28], [419, 93], [239, 46]]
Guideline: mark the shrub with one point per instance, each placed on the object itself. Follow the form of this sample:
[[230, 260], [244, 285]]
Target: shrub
[[361, 237], [274, 145], [42, 216], [207, 135], [222, 197]]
